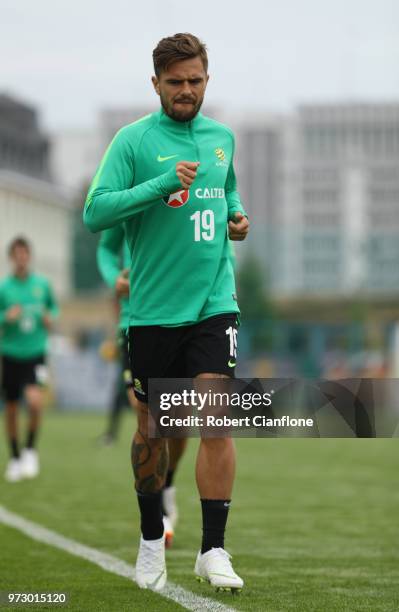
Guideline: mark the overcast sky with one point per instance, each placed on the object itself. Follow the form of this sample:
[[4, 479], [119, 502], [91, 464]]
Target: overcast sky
[[72, 57]]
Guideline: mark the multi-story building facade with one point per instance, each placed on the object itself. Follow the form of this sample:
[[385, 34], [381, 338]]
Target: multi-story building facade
[[322, 188], [23, 146], [30, 203]]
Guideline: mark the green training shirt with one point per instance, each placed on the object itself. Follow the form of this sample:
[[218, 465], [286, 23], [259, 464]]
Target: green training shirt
[[180, 270], [26, 337], [113, 256]]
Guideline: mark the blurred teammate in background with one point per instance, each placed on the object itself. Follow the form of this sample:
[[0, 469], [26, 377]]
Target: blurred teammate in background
[[27, 311], [113, 259]]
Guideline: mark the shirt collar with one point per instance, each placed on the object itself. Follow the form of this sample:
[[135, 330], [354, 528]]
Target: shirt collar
[[22, 279], [178, 126]]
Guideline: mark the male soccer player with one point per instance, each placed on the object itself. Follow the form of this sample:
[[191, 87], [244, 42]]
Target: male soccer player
[[169, 177], [113, 259], [27, 310]]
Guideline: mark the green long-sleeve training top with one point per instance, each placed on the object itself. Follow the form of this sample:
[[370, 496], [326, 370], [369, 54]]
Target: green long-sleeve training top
[[26, 337], [180, 270]]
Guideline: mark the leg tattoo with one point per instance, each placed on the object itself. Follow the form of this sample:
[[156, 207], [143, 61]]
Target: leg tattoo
[[149, 462]]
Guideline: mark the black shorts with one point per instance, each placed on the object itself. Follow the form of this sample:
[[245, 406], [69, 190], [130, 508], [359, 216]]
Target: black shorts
[[182, 352], [19, 373], [123, 345]]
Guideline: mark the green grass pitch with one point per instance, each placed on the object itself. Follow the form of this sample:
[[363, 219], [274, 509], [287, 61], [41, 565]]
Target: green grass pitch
[[313, 524]]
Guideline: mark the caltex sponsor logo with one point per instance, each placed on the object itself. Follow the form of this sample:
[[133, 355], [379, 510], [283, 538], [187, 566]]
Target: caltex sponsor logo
[[177, 199], [209, 193]]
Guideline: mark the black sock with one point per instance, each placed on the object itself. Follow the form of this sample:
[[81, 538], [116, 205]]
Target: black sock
[[14, 448], [169, 478], [150, 505], [214, 519], [30, 440]]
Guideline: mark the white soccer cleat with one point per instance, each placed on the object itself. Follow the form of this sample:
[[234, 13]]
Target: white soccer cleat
[[150, 564], [29, 463], [13, 470], [168, 531], [215, 567], [169, 505]]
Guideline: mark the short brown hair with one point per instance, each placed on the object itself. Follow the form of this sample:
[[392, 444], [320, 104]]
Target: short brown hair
[[176, 48], [18, 242]]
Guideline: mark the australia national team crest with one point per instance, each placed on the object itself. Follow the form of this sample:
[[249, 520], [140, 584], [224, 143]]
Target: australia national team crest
[[220, 154], [177, 199]]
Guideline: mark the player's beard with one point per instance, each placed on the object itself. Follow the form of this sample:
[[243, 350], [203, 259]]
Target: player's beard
[[181, 115]]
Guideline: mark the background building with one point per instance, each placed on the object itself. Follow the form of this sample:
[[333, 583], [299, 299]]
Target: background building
[[322, 188], [75, 154], [23, 147], [30, 202]]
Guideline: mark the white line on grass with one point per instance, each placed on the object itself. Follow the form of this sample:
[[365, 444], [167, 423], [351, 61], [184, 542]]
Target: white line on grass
[[107, 562]]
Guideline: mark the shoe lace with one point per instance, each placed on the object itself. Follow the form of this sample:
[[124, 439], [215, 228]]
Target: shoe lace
[[224, 560]]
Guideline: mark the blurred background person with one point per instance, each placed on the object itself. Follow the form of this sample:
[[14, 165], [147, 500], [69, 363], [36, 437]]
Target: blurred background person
[[113, 263], [27, 311], [113, 259]]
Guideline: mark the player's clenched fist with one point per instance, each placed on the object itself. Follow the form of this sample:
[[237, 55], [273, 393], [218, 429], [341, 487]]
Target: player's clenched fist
[[238, 227], [13, 313], [122, 284], [186, 172]]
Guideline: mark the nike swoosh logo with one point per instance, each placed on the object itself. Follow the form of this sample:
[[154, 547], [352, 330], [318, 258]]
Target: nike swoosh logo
[[162, 159], [231, 364]]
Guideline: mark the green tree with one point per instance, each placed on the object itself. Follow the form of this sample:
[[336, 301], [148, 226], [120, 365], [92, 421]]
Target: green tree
[[254, 300], [255, 303]]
